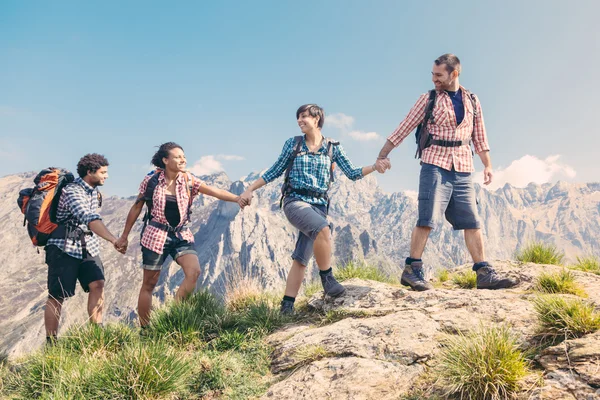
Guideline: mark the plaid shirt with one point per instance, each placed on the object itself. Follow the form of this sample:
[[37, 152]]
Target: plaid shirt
[[311, 170], [154, 238], [444, 128], [79, 203]]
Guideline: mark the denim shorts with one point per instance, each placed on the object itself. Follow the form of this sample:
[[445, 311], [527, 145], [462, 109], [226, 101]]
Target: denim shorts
[[449, 192], [309, 219], [174, 247]]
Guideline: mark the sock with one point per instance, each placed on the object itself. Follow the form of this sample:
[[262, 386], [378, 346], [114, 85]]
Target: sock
[[478, 265], [411, 260], [326, 272], [289, 298]]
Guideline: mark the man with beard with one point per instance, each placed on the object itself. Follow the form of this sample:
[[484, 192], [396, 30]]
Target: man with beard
[[449, 119], [72, 252]]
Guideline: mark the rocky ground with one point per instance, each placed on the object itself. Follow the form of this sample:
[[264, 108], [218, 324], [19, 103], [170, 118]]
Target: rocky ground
[[386, 347]]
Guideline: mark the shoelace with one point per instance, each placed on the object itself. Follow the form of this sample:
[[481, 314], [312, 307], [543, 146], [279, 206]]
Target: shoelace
[[419, 273]]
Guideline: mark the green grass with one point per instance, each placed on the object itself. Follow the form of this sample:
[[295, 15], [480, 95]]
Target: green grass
[[484, 365], [540, 253], [442, 275], [559, 282], [561, 317], [465, 280], [362, 270], [587, 264], [192, 350], [307, 354]]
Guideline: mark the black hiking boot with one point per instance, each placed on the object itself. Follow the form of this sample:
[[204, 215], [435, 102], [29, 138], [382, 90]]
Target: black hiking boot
[[414, 277], [287, 307], [487, 278], [332, 287]]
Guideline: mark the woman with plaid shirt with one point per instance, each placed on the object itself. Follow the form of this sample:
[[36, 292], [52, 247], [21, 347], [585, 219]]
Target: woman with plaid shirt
[[305, 202], [169, 192]]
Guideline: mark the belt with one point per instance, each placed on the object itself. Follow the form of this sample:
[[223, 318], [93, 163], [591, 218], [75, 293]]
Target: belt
[[165, 227], [450, 143]]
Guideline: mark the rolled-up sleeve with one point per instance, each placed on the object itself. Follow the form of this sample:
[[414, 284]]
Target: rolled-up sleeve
[[413, 119], [281, 164], [480, 141], [78, 203], [342, 160]]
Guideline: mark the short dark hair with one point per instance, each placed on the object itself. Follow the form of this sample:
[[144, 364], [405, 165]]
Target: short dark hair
[[451, 62], [314, 111], [91, 163], [163, 152]]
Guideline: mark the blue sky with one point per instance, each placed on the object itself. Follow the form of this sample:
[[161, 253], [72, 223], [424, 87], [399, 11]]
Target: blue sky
[[224, 80]]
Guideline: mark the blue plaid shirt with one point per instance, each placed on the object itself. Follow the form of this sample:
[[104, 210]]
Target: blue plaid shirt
[[79, 202], [311, 170]]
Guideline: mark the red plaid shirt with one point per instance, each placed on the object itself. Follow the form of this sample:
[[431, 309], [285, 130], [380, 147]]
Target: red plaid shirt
[[154, 238], [444, 128]]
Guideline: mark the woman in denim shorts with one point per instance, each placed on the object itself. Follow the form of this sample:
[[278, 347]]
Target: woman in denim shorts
[[307, 161], [169, 192]]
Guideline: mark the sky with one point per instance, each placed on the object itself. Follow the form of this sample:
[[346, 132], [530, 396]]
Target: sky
[[224, 80]]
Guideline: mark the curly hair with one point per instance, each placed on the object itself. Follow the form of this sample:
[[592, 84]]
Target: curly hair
[[91, 163], [314, 111], [163, 152]]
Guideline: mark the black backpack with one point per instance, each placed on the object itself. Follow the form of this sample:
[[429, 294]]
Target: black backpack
[[286, 188], [422, 136]]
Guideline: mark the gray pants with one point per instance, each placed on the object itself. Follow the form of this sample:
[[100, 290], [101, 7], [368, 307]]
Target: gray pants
[[310, 220]]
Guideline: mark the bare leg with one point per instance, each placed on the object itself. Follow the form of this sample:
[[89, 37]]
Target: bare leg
[[145, 298], [52, 316], [322, 249], [294, 279], [474, 241], [191, 270], [96, 301], [418, 240]]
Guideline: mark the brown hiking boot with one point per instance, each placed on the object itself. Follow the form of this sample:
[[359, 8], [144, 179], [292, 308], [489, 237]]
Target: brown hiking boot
[[487, 278], [414, 277]]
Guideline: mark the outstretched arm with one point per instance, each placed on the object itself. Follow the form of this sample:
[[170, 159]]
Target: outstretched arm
[[132, 216], [219, 193]]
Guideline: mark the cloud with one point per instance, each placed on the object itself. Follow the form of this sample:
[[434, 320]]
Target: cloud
[[340, 121], [345, 123], [529, 169], [364, 136], [212, 164]]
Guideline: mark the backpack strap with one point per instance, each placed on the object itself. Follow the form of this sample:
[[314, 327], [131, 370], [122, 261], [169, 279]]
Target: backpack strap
[[286, 183], [422, 135], [149, 194], [189, 180], [330, 144]]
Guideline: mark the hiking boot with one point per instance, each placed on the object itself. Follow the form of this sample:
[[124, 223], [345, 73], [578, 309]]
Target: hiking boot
[[287, 307], [331, 286], [414, 277], [487, 278]]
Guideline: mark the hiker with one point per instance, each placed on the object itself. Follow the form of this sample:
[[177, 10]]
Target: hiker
[[168, 192], [73, 249], [449, 119], [307, 162]]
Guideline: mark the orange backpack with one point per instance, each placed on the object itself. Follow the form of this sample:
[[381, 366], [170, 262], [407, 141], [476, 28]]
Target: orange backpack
[[39, 203]]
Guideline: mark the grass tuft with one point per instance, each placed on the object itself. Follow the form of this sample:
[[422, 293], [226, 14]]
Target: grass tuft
[[465, 280], [540, 253], [587, 264], [484, 365], [560, 282], [561, 317]]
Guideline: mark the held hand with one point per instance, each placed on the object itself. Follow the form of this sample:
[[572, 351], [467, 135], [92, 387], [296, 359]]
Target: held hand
[[246, 197], [382, 164], [121, 245], [487, 175], [241, 202]]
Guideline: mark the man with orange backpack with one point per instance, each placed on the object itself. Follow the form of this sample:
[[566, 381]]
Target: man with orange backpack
[[73, 248]]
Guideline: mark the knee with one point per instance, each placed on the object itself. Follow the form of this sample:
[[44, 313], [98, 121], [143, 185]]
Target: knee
[[324, 235], [97, 286], [193, 274], [149, 284]]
